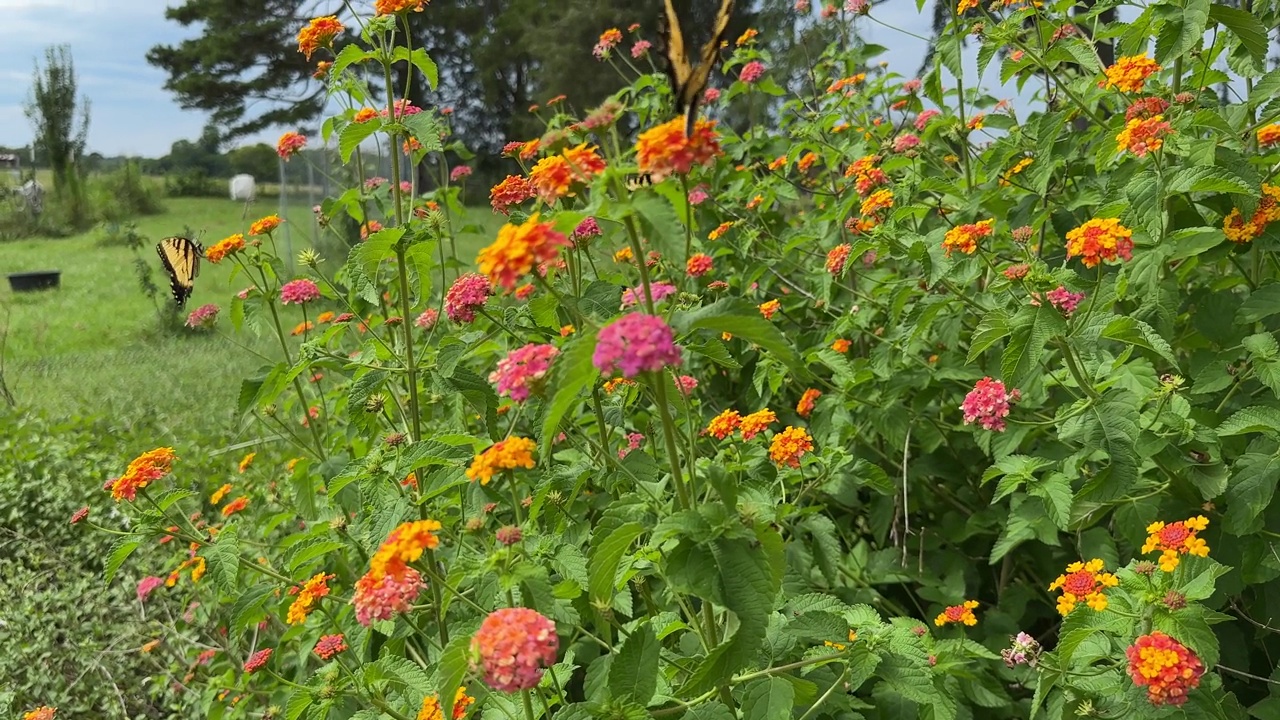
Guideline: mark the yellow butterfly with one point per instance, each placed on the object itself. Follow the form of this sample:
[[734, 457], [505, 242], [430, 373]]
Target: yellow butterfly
[[181, 258]]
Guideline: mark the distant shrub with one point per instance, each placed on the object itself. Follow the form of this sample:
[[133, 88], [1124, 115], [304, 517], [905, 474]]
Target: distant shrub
[[123, 194], [193, 183]]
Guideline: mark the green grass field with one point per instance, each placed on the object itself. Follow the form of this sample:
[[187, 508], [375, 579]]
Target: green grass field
[[92, 346]]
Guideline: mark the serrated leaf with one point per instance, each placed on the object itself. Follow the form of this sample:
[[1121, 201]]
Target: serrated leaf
[[224, 558], [1251, 33], [1145, 206], [573, 373], [993, 327], [452, 670], [1029, 333], [1208, 178], [312, 551], [605, 557], [768, 699], [1136, 332], [1183, 29], [634, 672], [1253, 485], [1261, 303], [350, 137], [120, 552], [249, 602], [1254, 419], [743, 320]]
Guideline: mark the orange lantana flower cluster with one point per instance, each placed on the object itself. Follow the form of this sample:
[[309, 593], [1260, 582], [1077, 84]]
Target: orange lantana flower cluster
[[404, 545], [1269, 135], [866, 175], [431, 709], [145, 469], [962, 614], [789, 446], [965, 237], [1174, 539], [664, 150], [879, 200], [808, 400], [1130, 73], [1100, 239], [391, 7], [518, 249], [554, 177], [508, 454], [1143, 135], [1018, 167], [1239, 231], [720, 230], [729, 421], [511, 191], [770, 308], [1165, 667], [1083, 581], [224, 247], [319, 33], [311, 591], [265, 225]]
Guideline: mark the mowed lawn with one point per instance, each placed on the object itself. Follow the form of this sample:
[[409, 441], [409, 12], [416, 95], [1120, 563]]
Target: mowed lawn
[[92, 346]]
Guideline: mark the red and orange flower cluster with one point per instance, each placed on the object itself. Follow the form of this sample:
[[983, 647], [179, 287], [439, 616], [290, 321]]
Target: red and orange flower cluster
[[431, 709], [789, 446], [960, 614], [729, 421], [556, 176], [866, 174], [1100, 239], [391, 585], [1083, 582], [1239, 231], [965, 237], [1175, 539], [1165, 667], [319, 33], [145, 469], [513, 646], [1130, 73], [1143, 135], [312, 590], [518, 249], [509, 454], [664, 150], [808, 401]]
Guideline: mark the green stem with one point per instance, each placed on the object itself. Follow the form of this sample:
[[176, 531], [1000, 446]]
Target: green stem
[[1069, 356], [402, 266], [668, 434], [437, 600]]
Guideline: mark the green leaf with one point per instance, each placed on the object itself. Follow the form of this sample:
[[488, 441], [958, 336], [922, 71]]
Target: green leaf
[[605, 557], [224, 557], [349, 55], [421, 61], [1251, 33], [1030, 331], [573, 373], [634, 672], [1261, 303], [743, 320], [770, 698], [120, 552], [1208, 178], [249, 603], [1189, 627], [1113, 428], [452, 670], [1253, 484], [747, 579], [1183, 29], [350, 137], [993, 327], [312, 551], [1254, 419], [1136, 332], [1145, 207]]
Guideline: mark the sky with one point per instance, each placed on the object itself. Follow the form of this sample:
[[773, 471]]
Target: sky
[[131, 112]]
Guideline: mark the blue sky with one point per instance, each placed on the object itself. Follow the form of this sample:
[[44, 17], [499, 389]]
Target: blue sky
[[132, 114]]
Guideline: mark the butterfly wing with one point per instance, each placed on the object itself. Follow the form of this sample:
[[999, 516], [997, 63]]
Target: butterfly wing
[[687, 80], [181, 258]]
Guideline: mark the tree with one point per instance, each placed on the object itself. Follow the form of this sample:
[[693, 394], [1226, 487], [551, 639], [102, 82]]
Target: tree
[[59, 117], [258, 160], [245, 68]]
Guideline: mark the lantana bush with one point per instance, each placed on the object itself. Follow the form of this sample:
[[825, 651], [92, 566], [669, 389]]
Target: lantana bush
[[915, 404]]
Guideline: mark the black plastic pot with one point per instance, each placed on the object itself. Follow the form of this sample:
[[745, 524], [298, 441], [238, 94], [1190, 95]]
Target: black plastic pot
[[35, 280]]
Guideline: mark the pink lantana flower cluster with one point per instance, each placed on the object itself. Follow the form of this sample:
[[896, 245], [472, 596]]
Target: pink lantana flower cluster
[[299, 292], [659, 290], [988, 404], [513, 646], [467, 295], [522, 370], [636, 343]]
